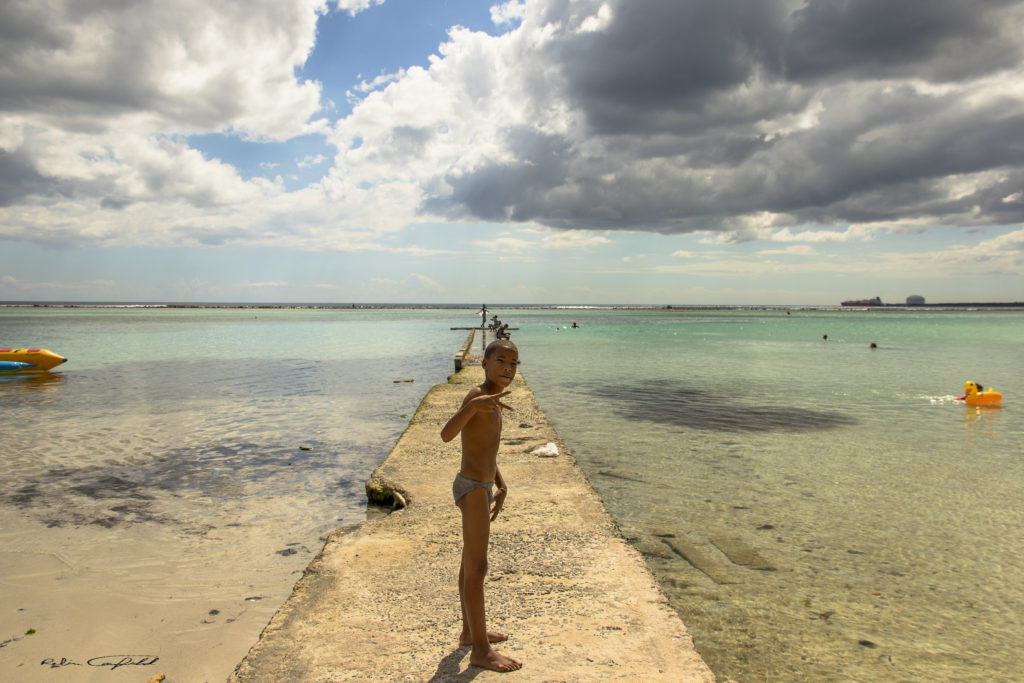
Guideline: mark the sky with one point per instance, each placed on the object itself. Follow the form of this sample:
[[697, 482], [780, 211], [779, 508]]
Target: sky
[[660, 152]]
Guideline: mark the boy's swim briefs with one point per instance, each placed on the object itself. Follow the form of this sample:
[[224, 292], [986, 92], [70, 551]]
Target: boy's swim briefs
[[463, 485]]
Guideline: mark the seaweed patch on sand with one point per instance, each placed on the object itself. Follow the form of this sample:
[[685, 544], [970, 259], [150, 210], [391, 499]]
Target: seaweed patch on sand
[[160, 489]]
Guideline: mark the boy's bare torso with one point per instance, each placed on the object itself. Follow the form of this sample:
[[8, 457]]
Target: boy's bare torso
[[480, 439]]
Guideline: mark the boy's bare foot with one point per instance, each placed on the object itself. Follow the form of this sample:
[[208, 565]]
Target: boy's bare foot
[[495, 662], [492, 637]]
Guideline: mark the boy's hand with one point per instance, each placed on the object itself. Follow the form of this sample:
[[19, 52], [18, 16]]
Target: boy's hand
[[499, 501], [491, 402], [480, 403]]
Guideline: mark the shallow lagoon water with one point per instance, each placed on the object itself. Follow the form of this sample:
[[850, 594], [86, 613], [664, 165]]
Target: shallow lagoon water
[[166, 487], [814, 510]]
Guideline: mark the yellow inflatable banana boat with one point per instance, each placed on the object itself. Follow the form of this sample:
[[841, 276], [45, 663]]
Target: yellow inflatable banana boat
[[34, 359]]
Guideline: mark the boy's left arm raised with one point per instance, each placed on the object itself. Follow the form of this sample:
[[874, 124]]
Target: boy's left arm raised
[[459, 420], [475, 400]]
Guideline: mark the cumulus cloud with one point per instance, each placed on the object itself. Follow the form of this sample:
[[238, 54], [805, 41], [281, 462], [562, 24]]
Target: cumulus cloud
[[266, 285], [422, 283], [312, 160], [999, 256], [379, 81], [1006, 252], [416, 282], [23, 286], [778, 120], [151, 66], [507, 244], [353, 6], [711, 115], [508, 12], [573, 240], [97, 98], [794, 250]]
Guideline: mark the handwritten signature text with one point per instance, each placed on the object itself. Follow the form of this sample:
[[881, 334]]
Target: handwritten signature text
[[111, 661]]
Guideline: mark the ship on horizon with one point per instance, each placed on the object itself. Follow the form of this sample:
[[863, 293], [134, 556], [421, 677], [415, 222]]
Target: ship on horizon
[[877, 301]]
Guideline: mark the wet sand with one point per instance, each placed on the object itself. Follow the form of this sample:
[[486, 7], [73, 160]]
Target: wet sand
[[380, 602], [122, 609]]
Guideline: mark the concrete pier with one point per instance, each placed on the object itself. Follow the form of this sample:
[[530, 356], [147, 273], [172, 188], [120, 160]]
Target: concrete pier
[[462, 356], [380, 602]]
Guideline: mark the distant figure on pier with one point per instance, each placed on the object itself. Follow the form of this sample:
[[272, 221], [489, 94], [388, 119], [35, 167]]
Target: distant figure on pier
[[479, 421], [501, 332], [495, 322], [483, 315]]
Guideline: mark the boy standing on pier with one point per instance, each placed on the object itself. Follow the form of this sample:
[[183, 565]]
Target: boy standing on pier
[[479, 422]]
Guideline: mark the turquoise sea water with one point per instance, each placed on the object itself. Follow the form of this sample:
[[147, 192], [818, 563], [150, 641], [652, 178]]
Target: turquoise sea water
[[815, 510], [172, 401], [164, 489]]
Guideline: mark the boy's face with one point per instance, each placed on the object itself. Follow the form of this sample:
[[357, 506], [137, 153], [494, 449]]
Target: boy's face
[[500, 368]]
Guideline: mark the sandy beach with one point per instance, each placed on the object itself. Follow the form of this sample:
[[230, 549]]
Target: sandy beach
[[380, 602], [71, 616]]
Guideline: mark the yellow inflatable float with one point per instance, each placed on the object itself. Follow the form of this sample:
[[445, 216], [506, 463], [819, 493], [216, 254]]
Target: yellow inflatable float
[[30, 359], [975, 395]]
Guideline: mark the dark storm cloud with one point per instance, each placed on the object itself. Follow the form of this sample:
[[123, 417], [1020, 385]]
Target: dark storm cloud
[[26, 24], [695, 113], [512, 191], [661, 58], [18, 179], [79, 65], [34, 40], [674, 55], [938, 40]]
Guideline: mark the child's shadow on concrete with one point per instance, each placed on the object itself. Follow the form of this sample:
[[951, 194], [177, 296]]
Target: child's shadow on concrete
[[448, 668]]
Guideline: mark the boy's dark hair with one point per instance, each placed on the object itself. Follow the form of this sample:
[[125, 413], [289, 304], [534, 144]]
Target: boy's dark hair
[[499, 344]]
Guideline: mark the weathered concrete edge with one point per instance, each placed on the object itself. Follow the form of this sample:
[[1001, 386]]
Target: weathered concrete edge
[[463, 352], [318, 575], [297, 635], [382, 490]]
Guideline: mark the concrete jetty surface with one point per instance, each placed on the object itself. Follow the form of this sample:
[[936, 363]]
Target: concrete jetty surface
[[380, 602]]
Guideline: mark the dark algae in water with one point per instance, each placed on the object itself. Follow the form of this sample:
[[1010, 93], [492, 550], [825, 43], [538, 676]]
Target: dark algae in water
[[683, 405]]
